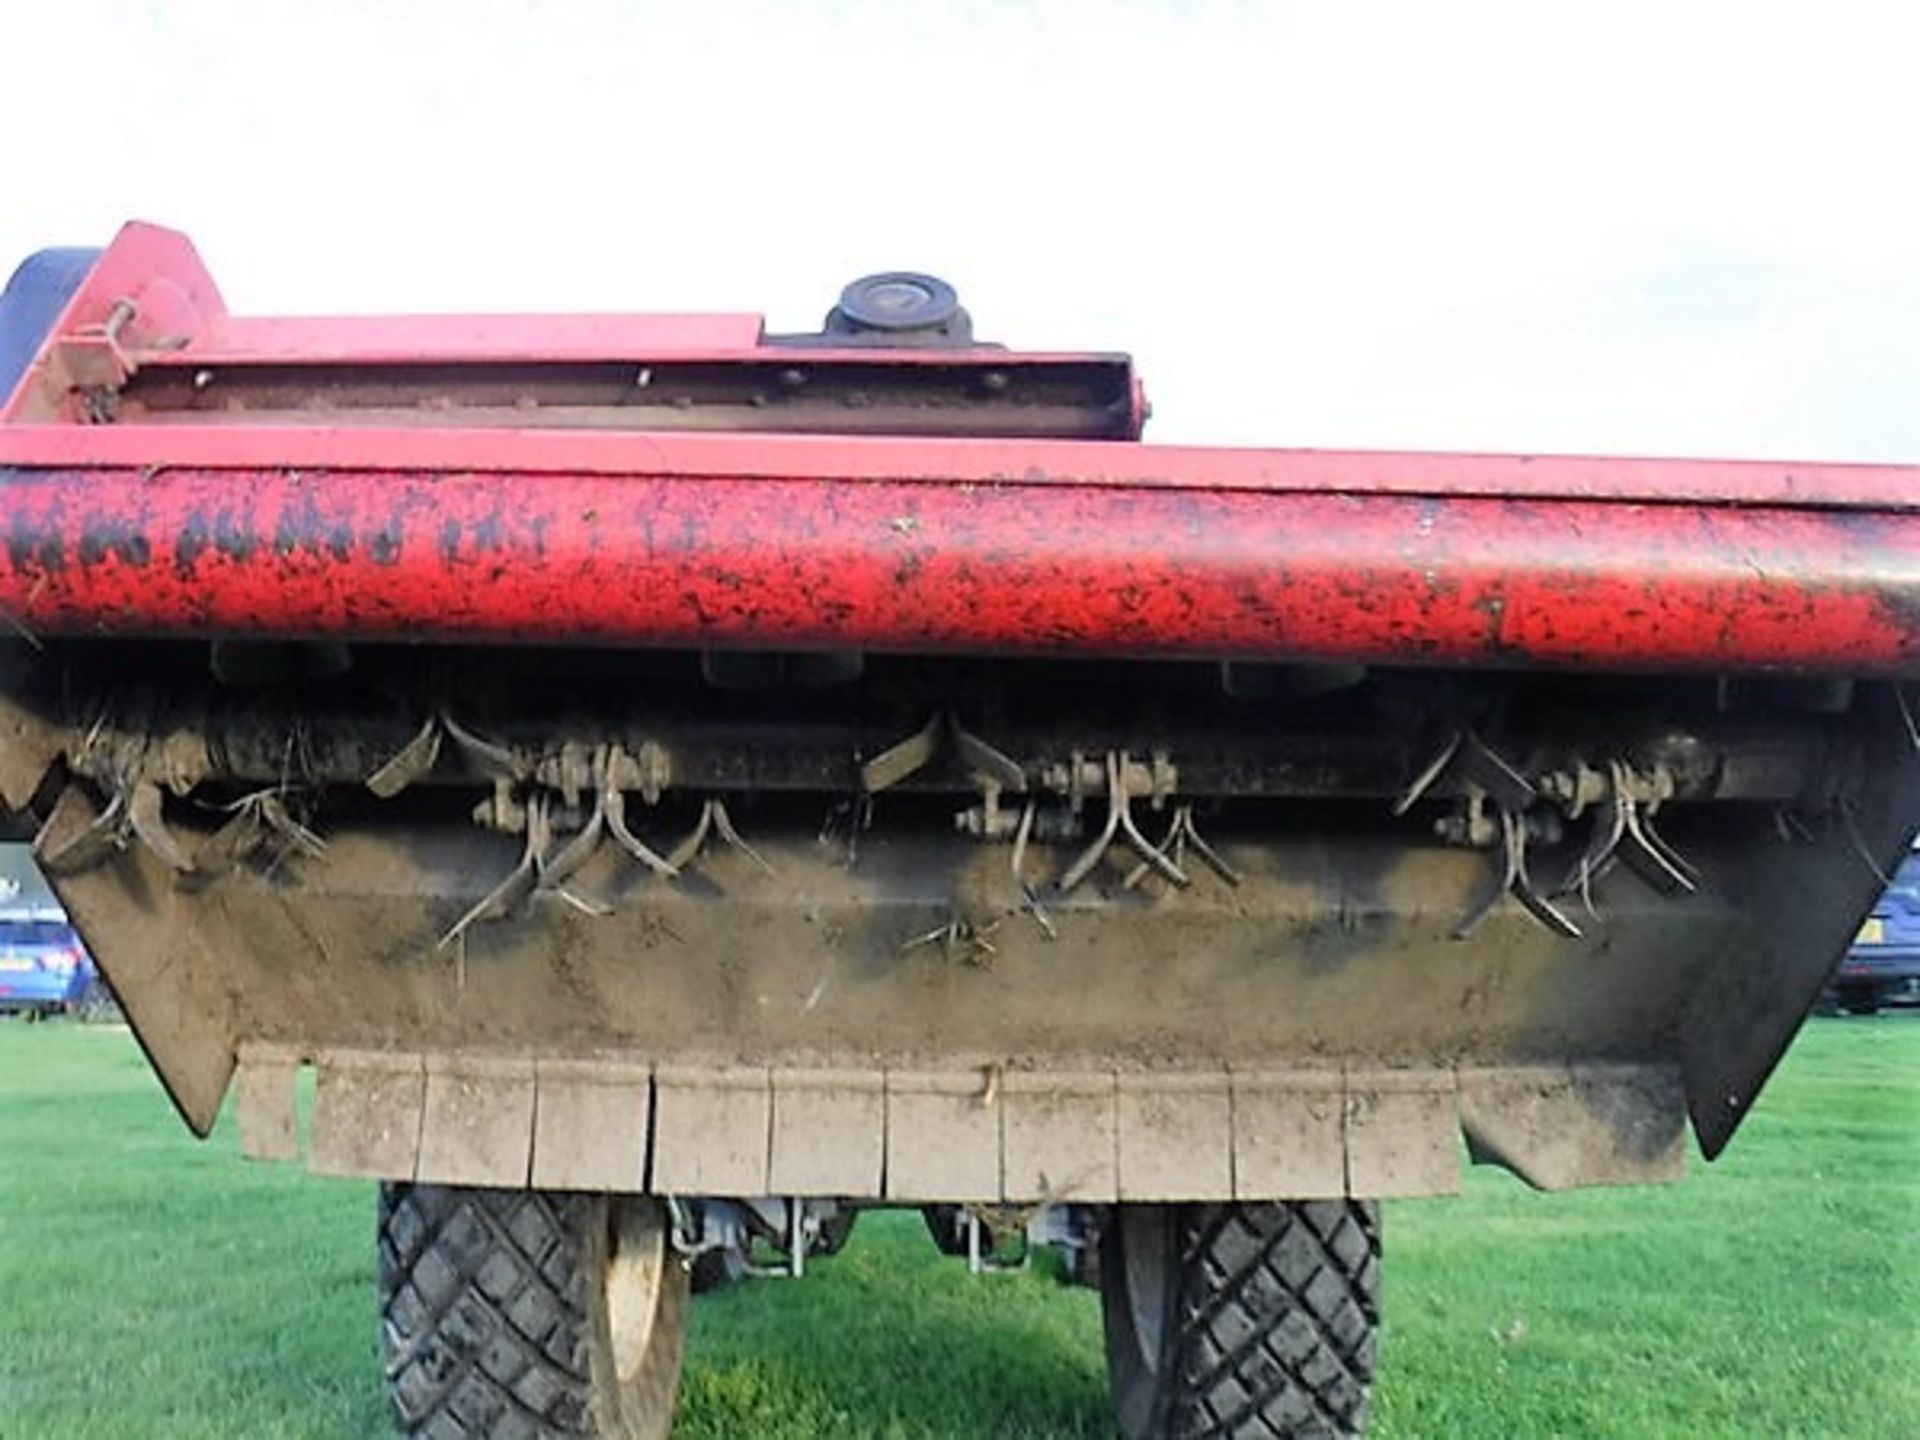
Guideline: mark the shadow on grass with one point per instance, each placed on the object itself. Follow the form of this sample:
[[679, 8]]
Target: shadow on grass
[[878, 1342]]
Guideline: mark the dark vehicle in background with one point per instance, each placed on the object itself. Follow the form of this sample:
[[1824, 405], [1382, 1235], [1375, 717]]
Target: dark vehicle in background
[[44, 969], [1882, 967]]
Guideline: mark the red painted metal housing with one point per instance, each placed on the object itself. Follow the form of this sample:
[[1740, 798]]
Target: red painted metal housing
[[448, 532]]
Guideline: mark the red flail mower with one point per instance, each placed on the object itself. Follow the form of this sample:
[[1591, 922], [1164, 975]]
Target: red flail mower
[[679, 786]]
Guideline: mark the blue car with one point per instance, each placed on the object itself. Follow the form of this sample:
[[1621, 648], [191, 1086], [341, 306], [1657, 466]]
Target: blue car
[[1883, 965], [44, 969]]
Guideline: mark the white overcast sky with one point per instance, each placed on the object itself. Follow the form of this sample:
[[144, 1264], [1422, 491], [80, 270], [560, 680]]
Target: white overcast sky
[[1652, 227]]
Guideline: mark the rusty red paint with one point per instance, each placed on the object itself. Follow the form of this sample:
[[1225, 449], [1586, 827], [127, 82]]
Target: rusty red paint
[[501, 535], [171, 300], [665, 559], [175, 319]]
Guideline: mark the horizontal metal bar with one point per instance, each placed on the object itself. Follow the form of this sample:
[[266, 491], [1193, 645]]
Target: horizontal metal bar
[[384, 339], [671, 558], [1040, 464], [974, 393], [757, 747]]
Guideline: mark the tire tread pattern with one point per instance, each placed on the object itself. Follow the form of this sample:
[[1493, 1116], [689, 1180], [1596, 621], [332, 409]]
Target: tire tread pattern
[[1276, 1322], [484, 1313]]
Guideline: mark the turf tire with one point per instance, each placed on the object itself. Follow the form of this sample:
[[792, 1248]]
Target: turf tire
[[1860, 999], [1255, 1321], [528, 1314]]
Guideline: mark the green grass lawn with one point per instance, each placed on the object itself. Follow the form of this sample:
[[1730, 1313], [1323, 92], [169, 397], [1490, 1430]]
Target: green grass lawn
[[151, 1287]]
